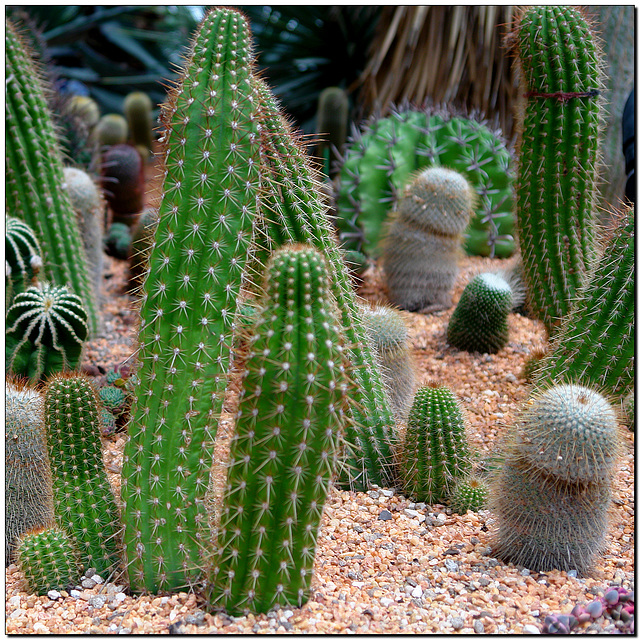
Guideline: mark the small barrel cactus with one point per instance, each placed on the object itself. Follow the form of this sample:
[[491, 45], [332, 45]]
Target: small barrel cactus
[[422, 245], [137, 108], [113, 398], [84, 108], [117, 242], [46, 330], [469, 494], [23, 257], [112, 129]]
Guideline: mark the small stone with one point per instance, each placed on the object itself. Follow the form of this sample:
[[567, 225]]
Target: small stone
[[412, 513], [451, 565], [288, 613], [572, 573], [97, 579], [89, 573], [53, 594], [474, 540], [373, 494], [74, 593], [88, 583], [388, 493], [478, 626], [385, 515], [38, 627], [509, 377], [286, 625], [457, 623], [416, 592], [441, 518], [97, 602], [120, 597], [14, 601], [385, 602], [531, 629], [196, 618], [525, 572]]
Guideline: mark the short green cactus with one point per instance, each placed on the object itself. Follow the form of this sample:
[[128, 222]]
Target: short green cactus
[[112, 129], [23, 257], [86, 109], [108, 422], [48, 560], [46, 330], [28, 488], [559, 64], [290, 419], [117, 242], [435, 452], [123, 182], [84, 504], [468, 494], [332, 120], [137, 108], [422, 245]]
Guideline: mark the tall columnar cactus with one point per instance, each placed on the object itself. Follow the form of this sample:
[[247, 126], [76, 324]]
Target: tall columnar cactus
[[137, 108], [596, 341], [553, 492], [422, 245], [211, 155], [48, 560], [380, 159], [46, 331], [84, 505], [285, 451], [23, 255], [296, 212], [332, 119], [34, 177], [28, 489], [557, 149], [435, 452], [123, 182]]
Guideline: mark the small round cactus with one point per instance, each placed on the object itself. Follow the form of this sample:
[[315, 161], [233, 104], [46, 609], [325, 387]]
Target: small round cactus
[[117, 242], [85, 109], [469, 494], [113, 398], [112, 129]]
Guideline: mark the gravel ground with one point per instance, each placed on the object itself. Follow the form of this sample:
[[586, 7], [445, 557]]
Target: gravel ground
[[421, 570]]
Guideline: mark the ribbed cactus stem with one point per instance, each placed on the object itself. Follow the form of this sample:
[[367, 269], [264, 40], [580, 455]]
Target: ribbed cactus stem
[[196, 265], [285, 449], [23, 256]]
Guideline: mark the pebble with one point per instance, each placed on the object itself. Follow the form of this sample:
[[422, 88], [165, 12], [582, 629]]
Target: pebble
[[97, 602], [385, 515], [451, 565], [14, 601], [385, 602], [412, 513], [478, 626], [416, 592], [74, 593], [88, 583], [572, 573], [119, 597], [531, 629], [387, 493], [90, 572], [97, 579], [457, 622]]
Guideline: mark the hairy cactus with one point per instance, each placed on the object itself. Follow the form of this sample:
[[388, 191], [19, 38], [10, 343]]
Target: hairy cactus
[[331, 125], [23, 257], [596, 341], [435, 452], [112, 129], [422, 245], [117, 242], [34, 176], [558, 128], [189, 301], [84, 505], [468, 494], [379, 161], [290, 419], [27, 472], [389, 335], [558, 468], [46, 330], [48, 560], [137, 108]]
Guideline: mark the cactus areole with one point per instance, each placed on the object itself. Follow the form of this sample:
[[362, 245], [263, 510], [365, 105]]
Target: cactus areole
[[211, 155]]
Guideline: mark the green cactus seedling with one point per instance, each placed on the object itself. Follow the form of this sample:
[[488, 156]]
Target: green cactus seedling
[[113, 398], [117, 242]]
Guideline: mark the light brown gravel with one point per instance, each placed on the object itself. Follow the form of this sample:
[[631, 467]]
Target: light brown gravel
[[430, 572]]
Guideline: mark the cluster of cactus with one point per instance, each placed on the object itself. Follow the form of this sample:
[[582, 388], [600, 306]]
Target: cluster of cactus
[[123, 182], [115, 401], [34, 178], [76, 117], [556, 193], [23, 257], [421, 247], [558, 464], [138, 108], [378, 162]]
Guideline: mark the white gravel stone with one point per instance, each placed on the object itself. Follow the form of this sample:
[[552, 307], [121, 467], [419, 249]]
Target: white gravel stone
[[531, 629], [14, 601], [385, 602], [416, 592]]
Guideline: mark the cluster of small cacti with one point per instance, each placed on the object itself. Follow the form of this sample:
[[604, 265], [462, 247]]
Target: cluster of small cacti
[[379, 161], [123, 182], [23, 257], [559, 463], [421, 247]]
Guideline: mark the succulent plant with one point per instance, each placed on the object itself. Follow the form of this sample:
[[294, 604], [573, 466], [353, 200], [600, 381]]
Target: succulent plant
[[421, 247], [118, 241], [112, 129], [559, 64], [23, 257], [46, 330], [113, 398], [468, 494], [138, 108], [332, 121], [28, 488]]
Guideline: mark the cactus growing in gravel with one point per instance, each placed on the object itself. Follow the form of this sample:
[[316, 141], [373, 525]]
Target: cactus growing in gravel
[[558, 128], [422, 244], [284, 453], [435, 452], [28, 489], [379, 161], [137, 108], [189, 301], [34, 176], [23, 257], [46, 330], [112, 129], [117, 242], [48, 560], [468, 494], [83, 502]]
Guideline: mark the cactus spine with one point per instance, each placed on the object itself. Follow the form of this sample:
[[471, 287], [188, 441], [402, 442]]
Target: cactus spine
[[558, 146], [137, 108], [34, 176], [28, 488], [468, 494], [23, 257], [188, 305], [83, 502], [284, 453]]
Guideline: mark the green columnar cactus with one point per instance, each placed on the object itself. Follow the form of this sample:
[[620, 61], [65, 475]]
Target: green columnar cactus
[[112, 129], [422, 245], [389, 335], [189, 301], [291, 414], [137, 108], [557, 150], [468, 494], [379, 160], [596, 341], [88, 205], [48, 560], [28, 488], [46, 330], [332, 121], [553, 492], [84, 505], [479, 321], [23, 257], [141, 241], [123, 182], [296, 212], [435, 452], [34, 176]]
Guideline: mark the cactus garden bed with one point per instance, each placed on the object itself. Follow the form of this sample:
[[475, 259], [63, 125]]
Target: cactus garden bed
[[384, 564]]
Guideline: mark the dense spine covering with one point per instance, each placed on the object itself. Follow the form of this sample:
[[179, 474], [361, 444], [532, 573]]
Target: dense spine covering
[[46, 331], [28, 483], [189, 302], [84, 505], [34, 176], [296, 212], [469, 494], [285, 451], [557, 154], [23, 257]]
